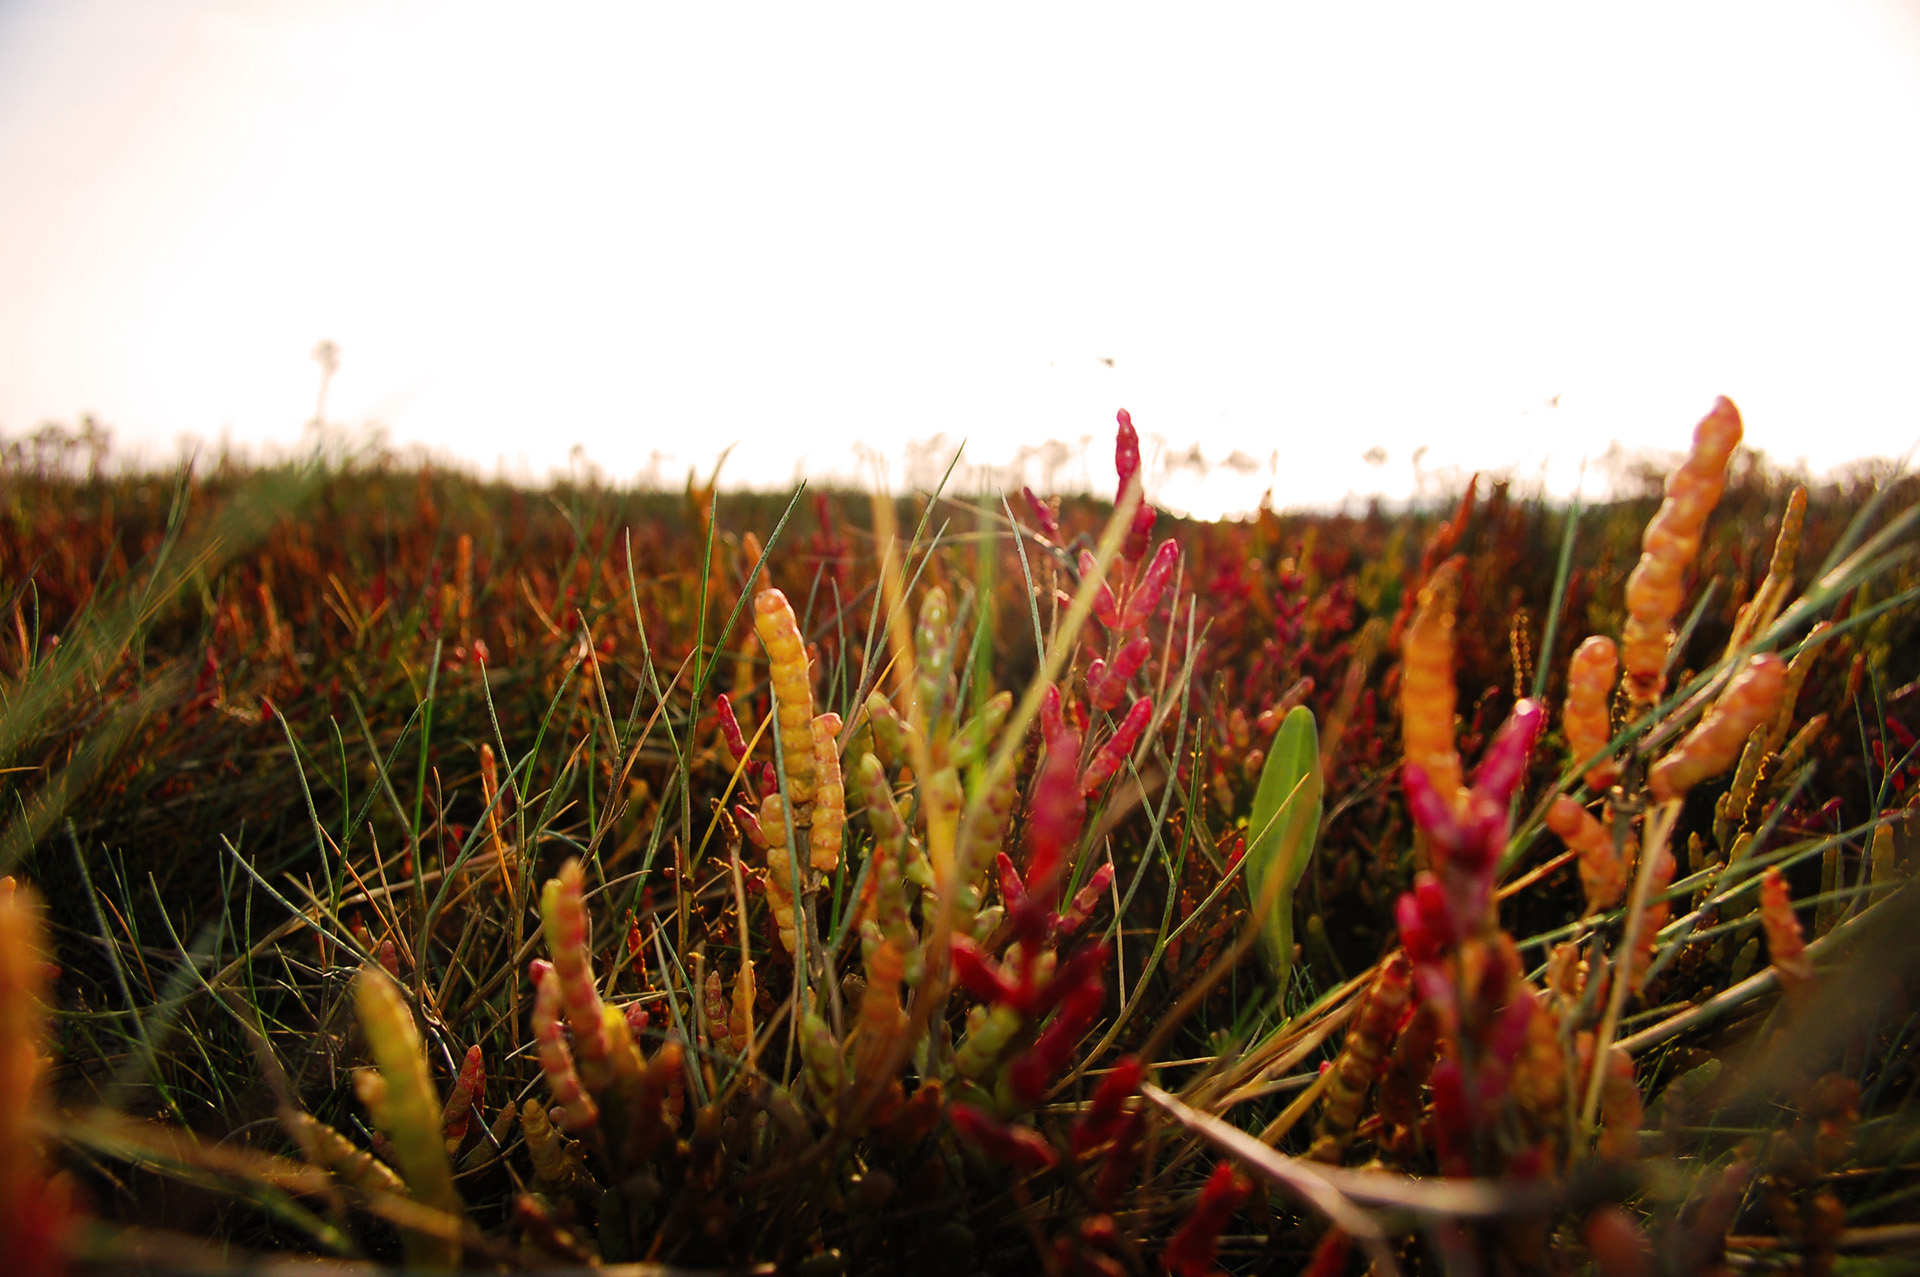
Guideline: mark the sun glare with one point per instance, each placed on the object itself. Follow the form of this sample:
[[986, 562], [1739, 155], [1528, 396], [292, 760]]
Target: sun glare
[[1317, 251]]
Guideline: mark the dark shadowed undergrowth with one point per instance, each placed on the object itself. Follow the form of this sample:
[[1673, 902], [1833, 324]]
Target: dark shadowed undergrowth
[[461, 875]]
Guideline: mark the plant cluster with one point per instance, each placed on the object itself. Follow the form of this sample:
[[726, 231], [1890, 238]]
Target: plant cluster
[[433, 871]]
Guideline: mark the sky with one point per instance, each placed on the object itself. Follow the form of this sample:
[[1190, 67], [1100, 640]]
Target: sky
[[1326, 250]]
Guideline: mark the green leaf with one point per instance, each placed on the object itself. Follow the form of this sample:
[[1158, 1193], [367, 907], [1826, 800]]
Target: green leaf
[[1286, 821]]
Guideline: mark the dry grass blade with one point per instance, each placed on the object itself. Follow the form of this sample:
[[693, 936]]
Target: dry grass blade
[[1459, 1199], [1312, 1185], [1659, 829]]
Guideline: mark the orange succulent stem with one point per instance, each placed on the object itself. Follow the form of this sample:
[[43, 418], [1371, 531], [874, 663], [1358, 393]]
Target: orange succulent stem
[[779, 632], [1369, 1035], [825, 833], [881, 1017], [556, 1060], [775, 834], [32, 1218], [792, 885], [1672, 539], [469, 1090], [1749, 700], [563, 915], [490, 791], [1427, 692], [1660, 821], [1603, 866], [1786, 942], [1586, 717]]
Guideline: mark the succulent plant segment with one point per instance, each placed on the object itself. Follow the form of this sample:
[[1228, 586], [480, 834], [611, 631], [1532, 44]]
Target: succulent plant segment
[[1656, 587], [710, 882]]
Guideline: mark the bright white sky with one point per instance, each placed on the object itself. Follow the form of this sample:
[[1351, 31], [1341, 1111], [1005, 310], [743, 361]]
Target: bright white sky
[[1299, 231]]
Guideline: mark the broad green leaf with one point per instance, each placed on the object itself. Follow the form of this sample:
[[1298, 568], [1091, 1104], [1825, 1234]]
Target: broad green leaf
[[1280, 838]]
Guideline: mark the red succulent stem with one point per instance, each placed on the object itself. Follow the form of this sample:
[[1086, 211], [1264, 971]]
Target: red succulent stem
[[1020, 1147], [730, 730], [1107, 759], [1193, 1249]]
